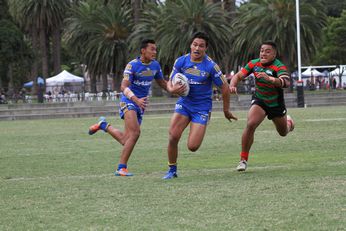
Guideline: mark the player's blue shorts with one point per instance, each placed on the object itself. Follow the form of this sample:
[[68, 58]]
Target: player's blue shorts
[[200, 117], [126, 105]]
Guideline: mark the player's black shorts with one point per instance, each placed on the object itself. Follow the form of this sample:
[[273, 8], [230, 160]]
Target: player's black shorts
[[271, 112]]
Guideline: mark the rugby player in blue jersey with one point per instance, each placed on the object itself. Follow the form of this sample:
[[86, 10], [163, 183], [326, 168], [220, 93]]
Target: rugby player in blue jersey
[[135, 86], [195, 108]]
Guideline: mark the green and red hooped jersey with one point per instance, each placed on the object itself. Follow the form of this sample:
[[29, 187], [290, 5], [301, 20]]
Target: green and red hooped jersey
[[272, 96]]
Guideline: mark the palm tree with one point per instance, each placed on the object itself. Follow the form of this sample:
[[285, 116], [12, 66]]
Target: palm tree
[[15, 55], [59, 12], [172, 24], [261, 20], [136, 6], [99, 34], [16, 8], [230, 7], [42, 17]]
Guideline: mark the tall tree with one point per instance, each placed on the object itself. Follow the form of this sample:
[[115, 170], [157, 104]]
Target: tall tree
[[172, 25], [42, 18], [99, 34], [275, 20], [14, 52], [59, 12], [333, 49], [230, 7], [16, 9], [334, 7], [136, 6]]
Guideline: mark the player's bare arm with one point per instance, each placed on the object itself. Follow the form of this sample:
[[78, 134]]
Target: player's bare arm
[[141, 102], [162, 83], [234, 82], [226, 102]]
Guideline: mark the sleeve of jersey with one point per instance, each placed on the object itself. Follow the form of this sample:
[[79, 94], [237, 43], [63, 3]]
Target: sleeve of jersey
[[218, 78], [247, 69], [176, 68], [282, 72], [128, 73], [159, 74]]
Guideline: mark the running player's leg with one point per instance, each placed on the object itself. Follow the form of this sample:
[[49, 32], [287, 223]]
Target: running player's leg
[[130, 135], [198, 128], [107, 127], [283, 124], [255, 117], [196, 135], [116, 134], [177, 125]]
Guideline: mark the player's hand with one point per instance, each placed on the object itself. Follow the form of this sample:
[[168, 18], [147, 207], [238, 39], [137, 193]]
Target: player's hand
[[230, 116], [142, 102], [263, 75], [233, 90], [178, 89]]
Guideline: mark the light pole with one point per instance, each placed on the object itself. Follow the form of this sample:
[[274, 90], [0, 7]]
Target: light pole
[[300, 85]]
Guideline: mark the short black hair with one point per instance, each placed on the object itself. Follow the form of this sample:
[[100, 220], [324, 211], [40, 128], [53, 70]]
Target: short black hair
[[270, 43], [145, 43], [201, 35]]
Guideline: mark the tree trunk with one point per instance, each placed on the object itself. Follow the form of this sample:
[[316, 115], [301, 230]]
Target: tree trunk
[[104, 84], [57, 50], [117, 80], [35, 63], [230, 7], [136, 6], [93, 82], [44, 53], [35, 47], [10, 78]]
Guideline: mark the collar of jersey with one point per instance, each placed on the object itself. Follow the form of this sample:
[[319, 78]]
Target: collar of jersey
[[197, 61], [139, 59]]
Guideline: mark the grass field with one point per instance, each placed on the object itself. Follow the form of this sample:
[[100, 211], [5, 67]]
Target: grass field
[[54, 176]]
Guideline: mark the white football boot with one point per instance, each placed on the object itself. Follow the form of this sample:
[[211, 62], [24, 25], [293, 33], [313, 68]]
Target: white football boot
[[242, 166]]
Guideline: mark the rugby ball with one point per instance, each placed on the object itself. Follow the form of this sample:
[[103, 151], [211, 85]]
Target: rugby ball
[[181, 79]]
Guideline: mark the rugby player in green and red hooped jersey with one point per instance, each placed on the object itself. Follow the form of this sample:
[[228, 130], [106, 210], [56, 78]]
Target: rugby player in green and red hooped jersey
[[271, 77]]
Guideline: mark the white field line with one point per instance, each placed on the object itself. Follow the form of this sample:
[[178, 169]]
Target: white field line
[[325, 119]]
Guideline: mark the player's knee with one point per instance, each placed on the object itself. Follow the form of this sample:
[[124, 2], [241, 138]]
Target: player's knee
[[251, 126], [135, 134], [193, 147], [174, 137], [282, 133]]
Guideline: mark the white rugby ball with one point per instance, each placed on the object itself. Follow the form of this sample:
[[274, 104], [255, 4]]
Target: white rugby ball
[[181, 79]]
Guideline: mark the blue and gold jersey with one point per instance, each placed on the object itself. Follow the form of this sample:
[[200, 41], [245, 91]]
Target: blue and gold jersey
[[201, 76], [141, 75]]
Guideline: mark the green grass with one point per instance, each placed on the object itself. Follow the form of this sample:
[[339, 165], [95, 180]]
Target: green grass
[[53, 176]]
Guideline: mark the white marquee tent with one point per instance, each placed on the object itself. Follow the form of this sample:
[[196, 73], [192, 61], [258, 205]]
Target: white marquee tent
[[64, 80], [311, 73], [335, 74]]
